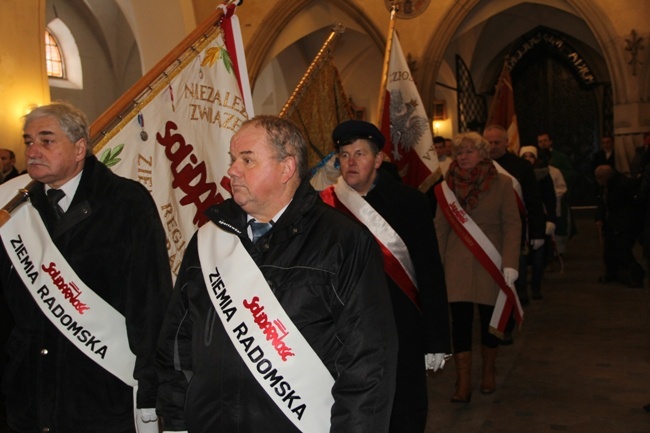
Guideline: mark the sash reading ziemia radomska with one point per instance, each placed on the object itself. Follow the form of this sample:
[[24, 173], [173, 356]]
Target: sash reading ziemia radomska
[[268, 342], [84, 318]]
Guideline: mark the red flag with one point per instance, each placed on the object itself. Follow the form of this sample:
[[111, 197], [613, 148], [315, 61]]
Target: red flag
[[502, 110], [409, 141]]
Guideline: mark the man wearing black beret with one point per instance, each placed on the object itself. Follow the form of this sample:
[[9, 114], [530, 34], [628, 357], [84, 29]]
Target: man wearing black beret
[[400, 219]]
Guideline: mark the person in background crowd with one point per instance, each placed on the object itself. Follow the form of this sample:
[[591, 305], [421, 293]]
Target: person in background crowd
[[444, 157], [619, 220], [111, 299], [537, 258], [487, 199], [559, 160], [401, 220], [552, 249], [640, 168], [8, 160], [605, 156], [533, 219], [565, 227], [641, 157], [449, 146], [281, 318]]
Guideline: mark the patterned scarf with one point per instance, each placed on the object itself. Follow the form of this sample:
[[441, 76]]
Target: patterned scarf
[[467, 185]]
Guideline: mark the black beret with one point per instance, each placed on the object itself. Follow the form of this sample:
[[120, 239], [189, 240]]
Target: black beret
[[351, 130]]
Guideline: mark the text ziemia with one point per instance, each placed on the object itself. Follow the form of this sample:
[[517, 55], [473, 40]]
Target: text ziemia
[[58, 312], [262, 365]]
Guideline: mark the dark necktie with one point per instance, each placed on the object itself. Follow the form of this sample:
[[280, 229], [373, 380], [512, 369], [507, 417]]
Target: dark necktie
[[53, 197], [259, 229]]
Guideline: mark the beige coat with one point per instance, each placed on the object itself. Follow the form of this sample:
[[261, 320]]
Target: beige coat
[[498, 217]]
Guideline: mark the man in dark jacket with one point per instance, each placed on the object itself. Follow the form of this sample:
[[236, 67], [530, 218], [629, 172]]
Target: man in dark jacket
[[400, 218], [8, 165], [619, 218], [314, 278], [533, 219], [104, 311], [605, 155]]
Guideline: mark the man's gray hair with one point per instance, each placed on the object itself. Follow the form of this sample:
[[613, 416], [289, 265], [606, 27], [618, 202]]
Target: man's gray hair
[[497, 127], [73, 121], [285, 137]]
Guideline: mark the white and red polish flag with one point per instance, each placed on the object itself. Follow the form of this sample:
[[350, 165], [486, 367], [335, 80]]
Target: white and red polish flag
[[175, 135], [404, 122]]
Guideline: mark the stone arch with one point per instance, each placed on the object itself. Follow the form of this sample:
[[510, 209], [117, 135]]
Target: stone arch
[[286, 11], [434, 52], [597, 21], [602, 28]]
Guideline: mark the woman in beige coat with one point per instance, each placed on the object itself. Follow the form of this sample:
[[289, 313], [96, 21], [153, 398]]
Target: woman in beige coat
[[489, 200]]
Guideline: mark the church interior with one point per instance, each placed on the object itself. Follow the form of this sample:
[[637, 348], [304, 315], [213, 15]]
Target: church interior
[[580, 70], [579, 67]]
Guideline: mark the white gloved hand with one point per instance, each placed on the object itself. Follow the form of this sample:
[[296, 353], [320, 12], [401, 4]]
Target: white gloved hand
[[146, 420], [550, 228], [148, 415], [537, 243], [434, 361], [510, 275]]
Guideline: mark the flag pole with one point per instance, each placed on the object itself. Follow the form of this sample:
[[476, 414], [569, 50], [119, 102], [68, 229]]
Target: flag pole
[[337, 29], [499, 89], [129, 99], [21, 196], [384, 73]]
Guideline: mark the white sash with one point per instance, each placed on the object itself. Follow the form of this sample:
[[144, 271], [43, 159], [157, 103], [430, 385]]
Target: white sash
[[269, 343], [485, 252], [90, 323], [377, 225]]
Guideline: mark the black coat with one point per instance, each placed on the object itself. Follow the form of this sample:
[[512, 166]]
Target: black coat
[[423, 330], [12, 174], [644, 204], [326, 272], [547, 192], [522, 170], [600, 158], [619, 208], [113, 239], [622, 216]]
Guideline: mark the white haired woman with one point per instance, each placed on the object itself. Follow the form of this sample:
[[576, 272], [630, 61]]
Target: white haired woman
[[488, 219]]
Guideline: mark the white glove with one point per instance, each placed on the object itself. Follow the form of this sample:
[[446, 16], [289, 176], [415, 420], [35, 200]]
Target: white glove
[[510, 275], [550, 228], [434, 361], [537, 243], [146, 420]]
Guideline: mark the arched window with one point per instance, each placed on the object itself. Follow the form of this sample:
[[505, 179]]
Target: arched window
[[53, 57], [62, 56]]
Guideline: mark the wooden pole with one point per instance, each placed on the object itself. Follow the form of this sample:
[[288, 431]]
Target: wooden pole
[[129, 99], [384, 73], [338, 29], [21, 196]]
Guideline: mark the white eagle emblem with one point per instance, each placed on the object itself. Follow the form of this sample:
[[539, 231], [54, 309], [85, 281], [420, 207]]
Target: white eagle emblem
[[406, 129]]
